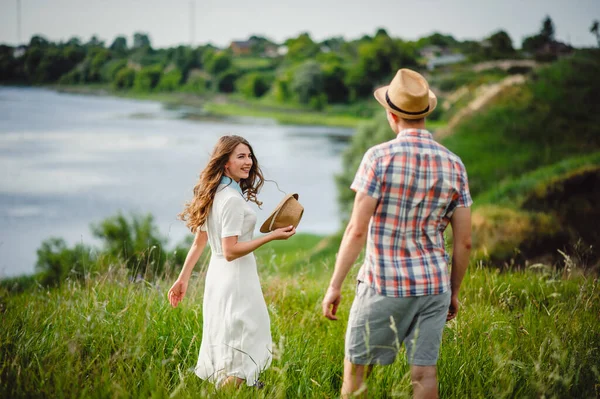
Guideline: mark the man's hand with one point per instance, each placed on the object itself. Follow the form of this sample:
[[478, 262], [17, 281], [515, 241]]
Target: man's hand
[[331, 302], [453, 309]]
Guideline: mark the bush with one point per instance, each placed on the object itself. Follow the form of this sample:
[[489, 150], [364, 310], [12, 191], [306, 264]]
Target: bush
[[147, 78], [71, 77], [226, 81], [56, 262], [170, 81], [124, 78], [135, 241], [112, 68], [218, 63], [333, 83], [197, 84], [282, 86], [307, 82], [254, 84]]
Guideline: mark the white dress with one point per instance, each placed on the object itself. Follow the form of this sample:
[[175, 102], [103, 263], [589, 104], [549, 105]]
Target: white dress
[[236, 333]]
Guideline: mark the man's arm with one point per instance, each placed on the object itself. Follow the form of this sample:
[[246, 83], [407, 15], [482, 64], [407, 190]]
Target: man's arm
[[352, 244], [461, 231]]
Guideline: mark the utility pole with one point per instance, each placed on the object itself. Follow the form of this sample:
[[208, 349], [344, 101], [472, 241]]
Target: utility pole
[[192, 22], [18, 22]]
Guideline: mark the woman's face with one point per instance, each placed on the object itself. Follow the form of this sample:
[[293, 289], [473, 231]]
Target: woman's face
[[239, 163]]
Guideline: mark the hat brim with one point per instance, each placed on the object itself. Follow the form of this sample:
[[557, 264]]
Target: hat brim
[[265, 226], [380, 97]]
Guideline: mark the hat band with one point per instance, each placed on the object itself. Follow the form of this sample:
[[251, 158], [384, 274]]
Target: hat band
[[391, 104]]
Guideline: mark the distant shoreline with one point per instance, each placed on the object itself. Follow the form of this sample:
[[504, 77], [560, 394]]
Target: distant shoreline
[[219, 106]]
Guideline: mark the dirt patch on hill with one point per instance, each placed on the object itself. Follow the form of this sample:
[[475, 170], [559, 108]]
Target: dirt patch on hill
[[558, 220], [484, 94]]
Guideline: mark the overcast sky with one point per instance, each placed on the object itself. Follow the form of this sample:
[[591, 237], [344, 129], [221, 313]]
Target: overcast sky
[[168, 22]]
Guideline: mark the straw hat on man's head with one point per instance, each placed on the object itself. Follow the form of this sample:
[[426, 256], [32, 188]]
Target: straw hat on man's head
[[407, 96], [287, 213]]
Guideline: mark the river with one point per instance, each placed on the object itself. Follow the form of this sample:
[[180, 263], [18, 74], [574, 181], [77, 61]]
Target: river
[[69, 160]]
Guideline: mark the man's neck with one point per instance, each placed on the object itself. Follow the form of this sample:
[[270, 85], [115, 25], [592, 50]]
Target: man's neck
[[403, 125]]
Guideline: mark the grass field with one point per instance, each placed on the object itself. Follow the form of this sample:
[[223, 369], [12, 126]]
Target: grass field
[[526, 334]]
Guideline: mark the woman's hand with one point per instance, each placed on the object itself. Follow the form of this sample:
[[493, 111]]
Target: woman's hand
[[177, 292], [283, 233]]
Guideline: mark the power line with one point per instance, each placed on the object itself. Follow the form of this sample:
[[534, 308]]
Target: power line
[[18, 22], [192, 22]]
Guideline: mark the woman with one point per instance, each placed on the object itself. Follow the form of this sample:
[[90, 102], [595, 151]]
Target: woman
[[236, 336]]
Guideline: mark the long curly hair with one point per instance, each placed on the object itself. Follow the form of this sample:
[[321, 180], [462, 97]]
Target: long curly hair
[[195, 212]]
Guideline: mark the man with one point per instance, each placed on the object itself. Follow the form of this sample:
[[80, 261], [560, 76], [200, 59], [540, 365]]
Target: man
[[407, 191]]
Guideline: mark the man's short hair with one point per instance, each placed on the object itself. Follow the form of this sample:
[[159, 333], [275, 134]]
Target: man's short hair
[[413, 121]]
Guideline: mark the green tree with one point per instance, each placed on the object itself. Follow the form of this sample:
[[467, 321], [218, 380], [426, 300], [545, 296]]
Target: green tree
[[124, 78], [9, 66], [547, 31], [196, 83], [98, 58], [226, 81], [378, 60], [437, 39], [94, 42], [119, 45], [185, 59], [533, 43], [218, 63], [335, 44], [308, 81], [112, 68], [74, 54], [334, 86], [141, 40], [147, 78], [546, 35], [254, 84], [135, 241], [259, 44], [301, 48], [39, 41], [595, 29], [170, 80], [500, 46], [282, 90], [56, 262]]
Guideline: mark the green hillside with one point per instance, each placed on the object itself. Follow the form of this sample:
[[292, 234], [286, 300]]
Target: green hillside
[[532, 156], [556, 115]]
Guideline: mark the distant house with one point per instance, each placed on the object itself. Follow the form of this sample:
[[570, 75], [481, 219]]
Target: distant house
[[443, 60], [19, 51], [271, 51], [282, 50], [485, 43], [430, 52], [434, 51], [241, 47], [554, 49]]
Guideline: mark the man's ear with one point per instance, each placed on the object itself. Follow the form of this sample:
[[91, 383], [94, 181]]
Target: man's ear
[[393, 116]]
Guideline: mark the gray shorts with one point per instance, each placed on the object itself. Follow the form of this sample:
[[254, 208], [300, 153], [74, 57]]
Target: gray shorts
[[378, 325]]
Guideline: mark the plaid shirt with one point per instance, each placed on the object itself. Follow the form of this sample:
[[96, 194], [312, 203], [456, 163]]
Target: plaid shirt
[[418, 184]]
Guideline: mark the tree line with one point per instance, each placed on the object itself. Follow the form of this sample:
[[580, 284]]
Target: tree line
[[311, 73]]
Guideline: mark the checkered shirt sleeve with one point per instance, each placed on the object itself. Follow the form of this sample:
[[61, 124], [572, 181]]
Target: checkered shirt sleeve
[[367, 179]]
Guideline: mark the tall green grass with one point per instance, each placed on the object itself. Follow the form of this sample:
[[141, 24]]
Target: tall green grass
[[532, 333]]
